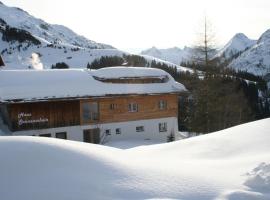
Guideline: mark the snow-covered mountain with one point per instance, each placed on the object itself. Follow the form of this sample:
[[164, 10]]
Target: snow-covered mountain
[[21, 35], [174, 55], [48, 33], [239, 43], [26, 41], [256, 59], [232, 164]]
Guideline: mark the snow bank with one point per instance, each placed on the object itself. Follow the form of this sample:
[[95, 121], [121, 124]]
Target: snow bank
[[214, 166]]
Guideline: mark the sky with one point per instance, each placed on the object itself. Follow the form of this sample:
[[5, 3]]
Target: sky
[[134, 25]]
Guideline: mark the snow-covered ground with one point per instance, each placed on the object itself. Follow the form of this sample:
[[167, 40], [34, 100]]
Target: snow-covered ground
[[232, 164]]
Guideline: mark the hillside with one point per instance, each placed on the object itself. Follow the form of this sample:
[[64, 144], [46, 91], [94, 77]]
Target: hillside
[[239, 43], [21, 35], [230, 164], [174, 55], [256, 59]]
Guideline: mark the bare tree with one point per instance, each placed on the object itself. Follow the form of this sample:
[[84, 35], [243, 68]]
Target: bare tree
[[205, 46]]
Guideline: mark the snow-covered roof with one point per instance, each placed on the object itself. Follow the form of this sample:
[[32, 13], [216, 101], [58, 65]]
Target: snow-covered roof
[[27, 85]]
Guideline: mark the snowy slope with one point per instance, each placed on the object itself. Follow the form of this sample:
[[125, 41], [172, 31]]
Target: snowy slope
[[55, 43], [232, 164], [170, 64], [256, 59], [239, 43], [174, 55], [18, 18]]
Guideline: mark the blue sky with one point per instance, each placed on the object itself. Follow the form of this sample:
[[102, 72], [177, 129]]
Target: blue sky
[[139, 24]]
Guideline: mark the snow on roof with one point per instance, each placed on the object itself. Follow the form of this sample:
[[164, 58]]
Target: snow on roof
[[43, 84]]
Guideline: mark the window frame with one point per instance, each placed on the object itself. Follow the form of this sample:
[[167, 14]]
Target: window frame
[[133, 107], [139, 128], [162, 104], [109, 132], [113, 106], [118, 131], [45, 135], [163, 127], [86, 113], [63, 132]]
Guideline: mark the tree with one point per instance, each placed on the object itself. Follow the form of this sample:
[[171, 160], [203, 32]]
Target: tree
[[61, 65], [204, 48]]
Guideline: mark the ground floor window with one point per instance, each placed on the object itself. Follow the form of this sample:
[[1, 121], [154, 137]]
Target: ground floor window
[[45, 135], [118, 131], [61, 135], [162, 127], [139, 128], [108, 131]]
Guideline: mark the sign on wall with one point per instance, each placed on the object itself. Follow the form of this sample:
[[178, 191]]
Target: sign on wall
[[23, 118]]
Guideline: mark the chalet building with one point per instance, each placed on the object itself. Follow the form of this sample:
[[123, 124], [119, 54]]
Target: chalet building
[[91, 105]]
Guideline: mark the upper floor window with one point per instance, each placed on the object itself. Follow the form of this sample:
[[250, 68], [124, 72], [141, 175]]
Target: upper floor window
[[113, 106], [132, 107], [162, 104], [90, 111]]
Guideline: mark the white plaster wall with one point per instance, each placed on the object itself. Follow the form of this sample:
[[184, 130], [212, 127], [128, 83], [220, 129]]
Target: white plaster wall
[[128, 130]]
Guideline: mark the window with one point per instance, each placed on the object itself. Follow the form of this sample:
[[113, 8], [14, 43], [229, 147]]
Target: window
[[139, 128], [45, 135], [132, 107], [162, 127], [90, 111], [118, 131], [108, 131], [162, 104], [61, 135], [113, 106]]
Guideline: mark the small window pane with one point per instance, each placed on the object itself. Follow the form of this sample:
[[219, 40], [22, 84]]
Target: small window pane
[[45, 135], [113, 106], [162, 127], [162, 104], [90, 111], [108, 131], [118, 131], [61, 135], [139, 128], [133, 107]]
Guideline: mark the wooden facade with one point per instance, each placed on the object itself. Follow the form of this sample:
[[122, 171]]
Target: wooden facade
[[52, 114], [40, 115]]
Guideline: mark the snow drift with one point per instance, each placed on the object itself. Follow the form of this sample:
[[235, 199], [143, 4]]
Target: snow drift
[[230, 164]]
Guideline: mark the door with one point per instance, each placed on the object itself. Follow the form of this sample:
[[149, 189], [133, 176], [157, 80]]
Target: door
[[91, 135]]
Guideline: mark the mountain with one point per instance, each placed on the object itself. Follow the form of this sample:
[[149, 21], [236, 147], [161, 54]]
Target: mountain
[[21, 35], [174, 55], [239, 43], [256, 59], [231, 164]]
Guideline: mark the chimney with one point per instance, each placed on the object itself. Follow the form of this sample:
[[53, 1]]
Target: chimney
[[2, 64]]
